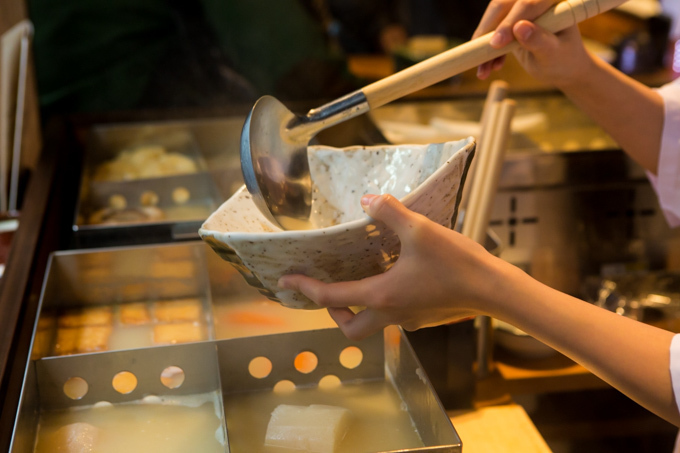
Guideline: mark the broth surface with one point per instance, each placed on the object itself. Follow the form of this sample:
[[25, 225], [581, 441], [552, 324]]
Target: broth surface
[[255, 317], [380, 420], [131, 428]]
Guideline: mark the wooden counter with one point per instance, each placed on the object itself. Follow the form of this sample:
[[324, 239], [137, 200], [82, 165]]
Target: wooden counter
[[567, 405], [498, 429]]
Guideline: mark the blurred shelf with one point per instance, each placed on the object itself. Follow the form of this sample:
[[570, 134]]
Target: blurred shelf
[[519, 376], [552, 374]]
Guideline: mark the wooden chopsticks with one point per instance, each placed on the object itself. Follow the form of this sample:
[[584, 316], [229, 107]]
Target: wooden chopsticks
[[478, 203], [483, 175]]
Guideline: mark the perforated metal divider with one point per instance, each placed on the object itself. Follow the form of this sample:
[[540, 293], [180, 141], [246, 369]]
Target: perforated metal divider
[[198, 362], [282, 349]]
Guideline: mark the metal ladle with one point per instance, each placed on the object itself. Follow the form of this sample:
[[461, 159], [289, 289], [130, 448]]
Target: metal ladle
[[274, 140]]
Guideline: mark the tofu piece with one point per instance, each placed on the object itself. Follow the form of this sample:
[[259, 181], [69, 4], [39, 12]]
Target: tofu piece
[[73, 438], [185, 332], [71, 318], [134, 314], [178, 310], [316, 428], [90, 316], [66, 342], [93, 338]]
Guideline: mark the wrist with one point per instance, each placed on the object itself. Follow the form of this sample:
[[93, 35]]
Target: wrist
[[503, 289], [516, 297], [580, 74]]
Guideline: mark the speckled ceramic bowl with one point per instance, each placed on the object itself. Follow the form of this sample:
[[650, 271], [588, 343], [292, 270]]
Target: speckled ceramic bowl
[[345, 244]]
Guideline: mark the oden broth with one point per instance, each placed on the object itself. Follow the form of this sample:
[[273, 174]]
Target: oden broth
[[381, 422], [134, 427]]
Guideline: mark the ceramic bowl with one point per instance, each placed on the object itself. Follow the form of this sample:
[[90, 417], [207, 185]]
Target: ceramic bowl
[[344, 244]]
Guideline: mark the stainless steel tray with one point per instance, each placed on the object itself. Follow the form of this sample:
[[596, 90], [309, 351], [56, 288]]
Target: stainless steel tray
[[223, 367], [117, 276], [170, 207], [202, 295]]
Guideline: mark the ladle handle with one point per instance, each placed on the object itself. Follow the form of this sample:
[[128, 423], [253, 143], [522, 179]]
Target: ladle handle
[[475, 52]]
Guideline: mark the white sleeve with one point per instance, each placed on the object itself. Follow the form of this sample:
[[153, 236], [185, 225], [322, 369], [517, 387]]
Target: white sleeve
[[675, 368], [666, 182]]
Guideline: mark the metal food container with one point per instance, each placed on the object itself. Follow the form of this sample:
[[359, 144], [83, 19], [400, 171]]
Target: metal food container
[[143, 180], [76, 383], [96, 284], [223, 368], [118, 298]]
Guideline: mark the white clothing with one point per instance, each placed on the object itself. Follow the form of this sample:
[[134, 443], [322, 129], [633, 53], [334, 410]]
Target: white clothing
[[667, 186], [675, 379], [675, 366], [667, 181]]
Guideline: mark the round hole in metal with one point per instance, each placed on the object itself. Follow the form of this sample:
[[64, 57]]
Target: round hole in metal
[[260, 367], [102, 405], [180, 195], [75, 388], [172, 377], [306, 362], [329, 382], [284, 387], [351, 357], [148, 198], [152, 399], [124, 382]]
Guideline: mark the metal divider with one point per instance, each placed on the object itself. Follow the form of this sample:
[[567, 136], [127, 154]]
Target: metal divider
[[281, 349]]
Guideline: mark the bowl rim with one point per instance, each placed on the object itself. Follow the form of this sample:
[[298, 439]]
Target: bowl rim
[[333, 229]]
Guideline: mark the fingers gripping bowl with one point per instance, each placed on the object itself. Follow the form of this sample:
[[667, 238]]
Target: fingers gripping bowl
[[344, 244]]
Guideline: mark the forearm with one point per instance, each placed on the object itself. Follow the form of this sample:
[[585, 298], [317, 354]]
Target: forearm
[[631, 356], [441, 276], [631, 112]]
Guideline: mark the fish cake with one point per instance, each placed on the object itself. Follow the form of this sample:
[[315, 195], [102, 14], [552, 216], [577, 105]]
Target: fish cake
[[93, 338], [89, 316], [134, 314], [66, 342], [178, 310]]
